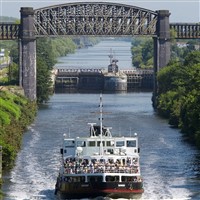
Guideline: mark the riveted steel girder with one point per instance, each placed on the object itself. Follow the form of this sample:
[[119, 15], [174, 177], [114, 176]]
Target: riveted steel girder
[[96, 18]]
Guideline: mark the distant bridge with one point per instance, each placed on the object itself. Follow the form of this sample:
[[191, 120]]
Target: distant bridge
[[186, 30], [91, 18]]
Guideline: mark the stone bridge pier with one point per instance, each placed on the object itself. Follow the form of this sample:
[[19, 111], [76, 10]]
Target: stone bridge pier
[[27, 55], [161, 47]]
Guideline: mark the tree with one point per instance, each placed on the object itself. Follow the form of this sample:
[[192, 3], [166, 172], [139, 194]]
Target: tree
[[45, 62], [44, 82], [179, 95], [45, 52], [142, 52], [192, 58]]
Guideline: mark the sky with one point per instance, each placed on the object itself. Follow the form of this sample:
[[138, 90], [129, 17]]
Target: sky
[[187, 11]]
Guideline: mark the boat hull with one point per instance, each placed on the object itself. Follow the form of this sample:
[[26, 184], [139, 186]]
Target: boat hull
[[91, 190]]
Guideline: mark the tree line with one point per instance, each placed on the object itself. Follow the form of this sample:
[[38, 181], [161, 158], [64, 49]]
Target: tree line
[[142, 50], [178, 95]]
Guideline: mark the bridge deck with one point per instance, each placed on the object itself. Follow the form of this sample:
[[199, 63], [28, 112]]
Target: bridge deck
[[10, 31]]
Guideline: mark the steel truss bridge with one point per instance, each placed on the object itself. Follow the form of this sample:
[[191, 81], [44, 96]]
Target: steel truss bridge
[[91, 19], [99, 19]]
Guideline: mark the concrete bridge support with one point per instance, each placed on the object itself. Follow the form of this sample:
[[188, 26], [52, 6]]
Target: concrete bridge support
[[161, 46], [28, 53]]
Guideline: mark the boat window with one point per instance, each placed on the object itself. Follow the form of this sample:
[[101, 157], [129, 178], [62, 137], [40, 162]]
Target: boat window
[[119, 143], [75, 179], [110, 151], [131, 143], [91, 143], [109, 143], [112, 178], [95, 178], [81, 144], [98, 143], [69, 143], [128, 178]]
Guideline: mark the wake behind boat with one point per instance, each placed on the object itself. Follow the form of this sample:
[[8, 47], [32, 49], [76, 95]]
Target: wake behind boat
[[99, 165]]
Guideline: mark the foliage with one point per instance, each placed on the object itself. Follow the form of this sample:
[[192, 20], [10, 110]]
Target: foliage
[[16, 113], [8, 106], [142, 50], [142, 53], [180, 49], [47, 52], [43, 81], [14, 54], [62, 46], [4, 117], [179, 95]]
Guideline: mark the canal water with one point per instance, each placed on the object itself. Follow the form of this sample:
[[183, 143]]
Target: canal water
[[98, 56], [170, 166]]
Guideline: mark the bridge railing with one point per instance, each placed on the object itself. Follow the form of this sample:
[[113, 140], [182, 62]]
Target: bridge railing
[[9, 31], [186, 30]]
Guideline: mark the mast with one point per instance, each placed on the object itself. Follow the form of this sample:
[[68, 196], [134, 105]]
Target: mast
[[111, 56], [101, 124]]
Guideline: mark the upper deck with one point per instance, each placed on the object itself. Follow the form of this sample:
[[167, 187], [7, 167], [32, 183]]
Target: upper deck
[[101, 154]]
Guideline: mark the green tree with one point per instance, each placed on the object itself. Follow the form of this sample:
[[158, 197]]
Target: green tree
[[179, 95], [192, 58], [142, 52], [45, 61], [45, 52]]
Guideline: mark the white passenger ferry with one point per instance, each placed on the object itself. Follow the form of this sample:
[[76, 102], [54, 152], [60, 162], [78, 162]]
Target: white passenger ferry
[[99, 165]]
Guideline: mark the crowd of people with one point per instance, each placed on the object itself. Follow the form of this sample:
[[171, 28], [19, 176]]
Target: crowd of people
[[83, 166]]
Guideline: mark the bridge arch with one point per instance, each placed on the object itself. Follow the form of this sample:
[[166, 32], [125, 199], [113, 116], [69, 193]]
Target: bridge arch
[[97, 18], [87, 18]]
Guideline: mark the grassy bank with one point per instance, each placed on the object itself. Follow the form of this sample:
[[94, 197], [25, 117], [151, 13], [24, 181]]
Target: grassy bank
[[16, 113]]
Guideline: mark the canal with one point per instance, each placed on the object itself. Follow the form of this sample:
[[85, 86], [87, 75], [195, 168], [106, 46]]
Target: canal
[[170, 166]]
